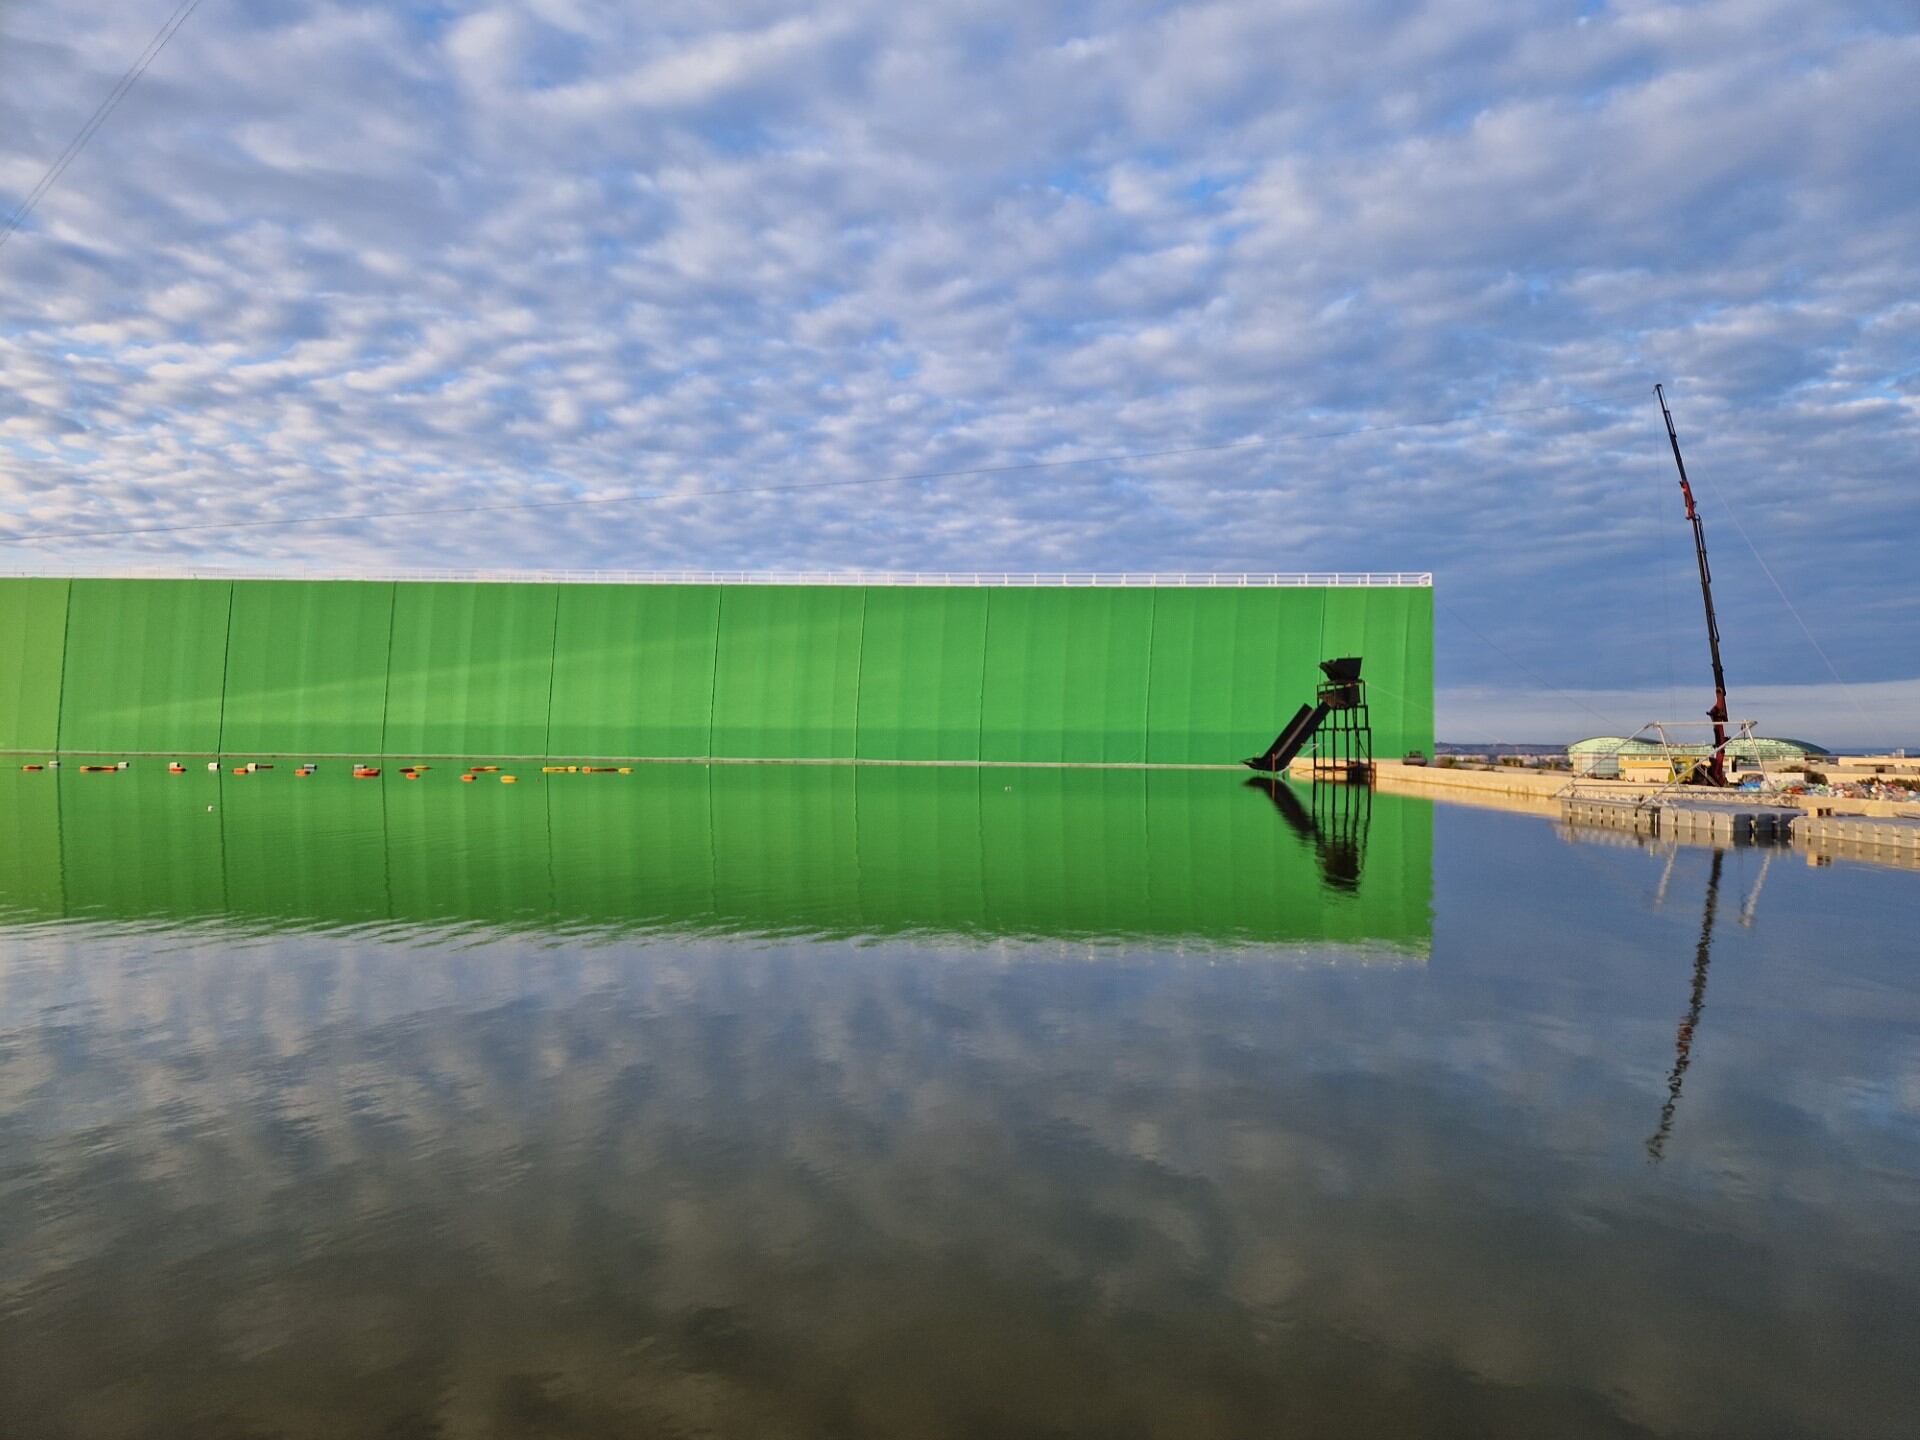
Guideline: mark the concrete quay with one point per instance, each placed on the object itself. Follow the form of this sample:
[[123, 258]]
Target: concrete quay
[[1823, 827], [1547, 785], [1898, 835], [1723, 822]]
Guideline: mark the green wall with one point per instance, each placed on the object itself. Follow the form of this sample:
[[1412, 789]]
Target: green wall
[[33, 640], [145, 665], [1081, 675], [307, 666]]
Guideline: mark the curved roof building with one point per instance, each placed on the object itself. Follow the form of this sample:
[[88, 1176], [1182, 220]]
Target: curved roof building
[[1601, 754]]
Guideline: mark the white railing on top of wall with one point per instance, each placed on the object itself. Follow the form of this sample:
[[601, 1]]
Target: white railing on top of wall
[[749, 577]]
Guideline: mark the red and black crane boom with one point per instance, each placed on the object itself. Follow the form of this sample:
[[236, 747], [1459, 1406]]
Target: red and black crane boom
[[1717, 766]]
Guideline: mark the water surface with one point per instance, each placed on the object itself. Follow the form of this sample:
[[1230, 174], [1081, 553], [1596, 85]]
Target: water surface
[[822, 1101]]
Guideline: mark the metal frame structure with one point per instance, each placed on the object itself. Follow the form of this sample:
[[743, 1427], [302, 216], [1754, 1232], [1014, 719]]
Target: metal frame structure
[[1343, 745], [1675, 753]]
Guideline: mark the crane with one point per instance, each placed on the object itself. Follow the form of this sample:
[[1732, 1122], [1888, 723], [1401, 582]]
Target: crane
[[1717, 763]]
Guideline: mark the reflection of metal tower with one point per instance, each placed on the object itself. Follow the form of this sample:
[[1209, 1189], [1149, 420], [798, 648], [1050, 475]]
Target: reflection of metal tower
[[1336, 826], [1690, 1022]]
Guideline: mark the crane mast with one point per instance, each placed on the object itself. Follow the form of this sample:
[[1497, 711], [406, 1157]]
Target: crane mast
[[1717, 766]]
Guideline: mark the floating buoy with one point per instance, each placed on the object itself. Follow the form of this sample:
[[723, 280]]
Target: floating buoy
[[466, 779], [509, 780], [242, 770], [366, 772], [302, 770], [53, 764], [213, 767], [626, 769], [124, 765]]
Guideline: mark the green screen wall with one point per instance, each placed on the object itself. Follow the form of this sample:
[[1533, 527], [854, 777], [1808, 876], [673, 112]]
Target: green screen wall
[[997, 674], [33, 640], [307, 666], [145, 664]]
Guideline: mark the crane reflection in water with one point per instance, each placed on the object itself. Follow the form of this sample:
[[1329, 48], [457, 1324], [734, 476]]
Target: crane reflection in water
[[1690, 1022], [1697, 998]]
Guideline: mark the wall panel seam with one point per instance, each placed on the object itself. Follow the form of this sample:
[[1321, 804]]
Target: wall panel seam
[[553, 665], [1146, 697], [713, 680], [859, 671], [60, 698], [386, 689], [226, 661]]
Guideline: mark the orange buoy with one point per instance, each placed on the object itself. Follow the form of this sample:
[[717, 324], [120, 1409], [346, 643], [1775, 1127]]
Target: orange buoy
[[176, 768], [241, 770], [366, 772], [467, 779]]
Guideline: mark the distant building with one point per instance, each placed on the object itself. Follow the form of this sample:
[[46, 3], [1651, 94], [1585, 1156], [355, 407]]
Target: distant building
[[1616, 756]]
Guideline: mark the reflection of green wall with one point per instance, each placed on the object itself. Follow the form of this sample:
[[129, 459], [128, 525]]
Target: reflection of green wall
[[1079, 675], [838, 850]]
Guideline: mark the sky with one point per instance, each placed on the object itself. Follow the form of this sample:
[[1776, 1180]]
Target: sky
[[1419, 265]]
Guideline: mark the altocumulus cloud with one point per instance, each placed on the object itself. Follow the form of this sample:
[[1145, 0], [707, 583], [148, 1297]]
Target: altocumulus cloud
[[332, 258]]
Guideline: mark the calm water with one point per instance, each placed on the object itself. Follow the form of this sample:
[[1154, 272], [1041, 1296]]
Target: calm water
[[833, 1102]]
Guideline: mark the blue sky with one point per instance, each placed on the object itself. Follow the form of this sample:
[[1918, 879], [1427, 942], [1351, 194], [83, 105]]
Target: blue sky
[[335, 257]]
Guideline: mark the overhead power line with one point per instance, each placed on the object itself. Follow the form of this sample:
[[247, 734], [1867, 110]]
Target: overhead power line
[[99, 117], [643, 496]]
